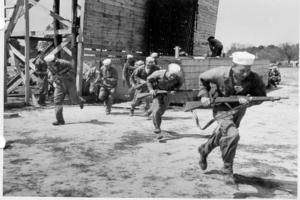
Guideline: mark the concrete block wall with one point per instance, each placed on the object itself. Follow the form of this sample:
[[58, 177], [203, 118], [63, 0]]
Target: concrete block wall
[[205, 25]]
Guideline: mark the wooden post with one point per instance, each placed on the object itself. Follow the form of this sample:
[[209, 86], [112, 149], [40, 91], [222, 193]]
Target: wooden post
[[74, 35], [27, 51], [80, 51], [3, 54], [56, 25]]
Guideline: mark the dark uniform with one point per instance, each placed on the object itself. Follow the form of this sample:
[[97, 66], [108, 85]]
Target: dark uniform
[[274, 77], [158, 81], [216, 47], [42, 80], [91, 80], [226, 135], [108, 80], [64, 79], [139, 77], [128, 70]]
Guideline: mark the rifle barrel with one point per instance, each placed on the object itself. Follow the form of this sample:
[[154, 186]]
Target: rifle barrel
[[255, 98]]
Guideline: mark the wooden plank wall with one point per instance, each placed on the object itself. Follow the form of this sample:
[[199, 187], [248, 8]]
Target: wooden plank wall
[[115, 25], [122, 25]]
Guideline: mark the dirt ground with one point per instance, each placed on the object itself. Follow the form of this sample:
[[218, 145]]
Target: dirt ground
[[95, 155]]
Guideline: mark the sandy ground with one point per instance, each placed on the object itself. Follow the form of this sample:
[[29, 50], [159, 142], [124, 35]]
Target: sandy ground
[[95, 155]]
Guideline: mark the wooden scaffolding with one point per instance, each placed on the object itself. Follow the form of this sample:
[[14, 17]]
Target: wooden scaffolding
[[64, 32]]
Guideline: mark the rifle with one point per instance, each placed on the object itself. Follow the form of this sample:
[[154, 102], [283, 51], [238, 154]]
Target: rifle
[[191, 105], [143, 95], [138, 86]]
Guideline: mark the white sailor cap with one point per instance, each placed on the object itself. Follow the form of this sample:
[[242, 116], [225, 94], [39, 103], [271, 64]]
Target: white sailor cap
[[174, 68], [154, 55], [129, 56], [139, 63], [149, 59], [49, 58], [106, 61], [243, 58]]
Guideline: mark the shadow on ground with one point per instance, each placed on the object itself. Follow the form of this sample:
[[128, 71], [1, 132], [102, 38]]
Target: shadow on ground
[[93, 121], [265, 187], [174, 118], [171, 135]]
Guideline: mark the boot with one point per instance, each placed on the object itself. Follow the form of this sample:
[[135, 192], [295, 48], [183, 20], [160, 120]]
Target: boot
[[228, 175], [157, 130], [131, 112], [203, 156], [81, 102], [57, 123]]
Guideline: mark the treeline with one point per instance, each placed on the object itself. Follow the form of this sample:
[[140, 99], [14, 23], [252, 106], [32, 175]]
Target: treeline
[[273, 53]]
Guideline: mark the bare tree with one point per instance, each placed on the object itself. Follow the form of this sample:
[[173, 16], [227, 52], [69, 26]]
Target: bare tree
[[289, 51]]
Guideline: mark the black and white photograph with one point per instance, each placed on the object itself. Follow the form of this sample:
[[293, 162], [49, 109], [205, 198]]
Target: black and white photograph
[[178, 99]]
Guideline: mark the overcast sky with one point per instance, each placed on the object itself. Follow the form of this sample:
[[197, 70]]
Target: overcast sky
[[253, 22], [258, 22]]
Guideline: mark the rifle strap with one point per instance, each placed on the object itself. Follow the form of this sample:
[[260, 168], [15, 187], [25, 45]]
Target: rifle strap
[[222, 116]]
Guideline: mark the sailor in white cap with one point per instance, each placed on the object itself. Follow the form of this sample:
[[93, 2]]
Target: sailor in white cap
[[41, 75], [63, 75], [168, 80], [235, 80], [128, 68], [155, 56], [108, 80], [138, 80]]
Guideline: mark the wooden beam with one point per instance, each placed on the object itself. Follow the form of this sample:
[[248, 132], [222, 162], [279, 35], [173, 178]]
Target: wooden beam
[[3, 64], [21, 56], [13, 19], [17, 13], [58, 17], [41, 33], [17, 81], [80, 50], [56, 25], [27, 53], [74, 33], [61, 46], [14, 61], [14, 79], [68, 51], [12, 85]]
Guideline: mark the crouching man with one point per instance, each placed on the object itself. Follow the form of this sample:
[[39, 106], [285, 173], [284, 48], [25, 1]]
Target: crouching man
[[63, 75], [168, 80], [138, 79], [108, 80], [235, 80]]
